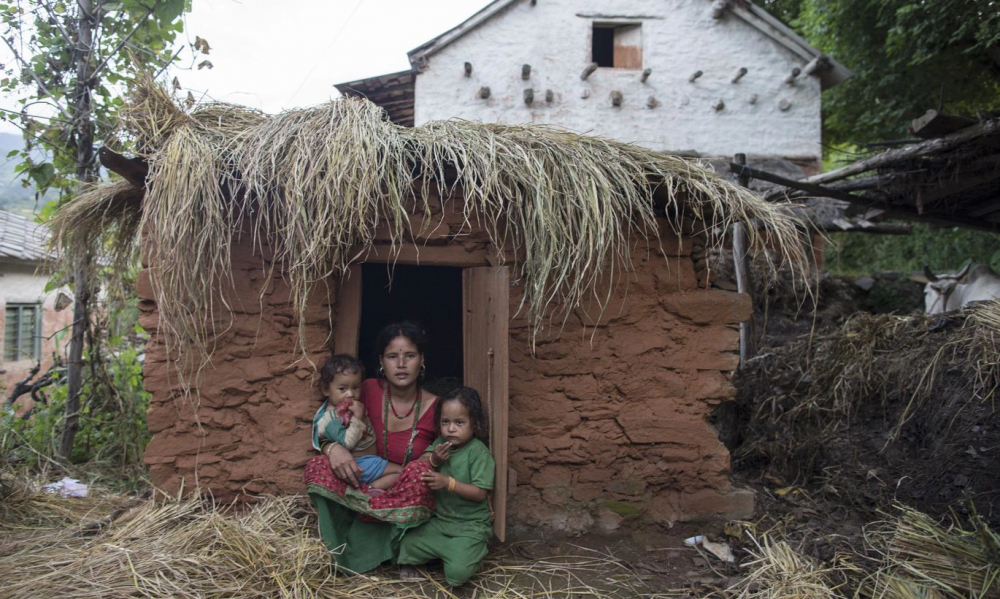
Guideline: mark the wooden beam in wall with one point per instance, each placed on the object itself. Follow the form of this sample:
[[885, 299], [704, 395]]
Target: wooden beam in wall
[[348, 325], [424, 255]]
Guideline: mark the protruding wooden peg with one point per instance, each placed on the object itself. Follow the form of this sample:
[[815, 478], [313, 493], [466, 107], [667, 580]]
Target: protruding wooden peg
[[484, 92], [784, 105], [793, 76], [550, 96], [652, 102], [719, 8], [616, 98], [526, 71], [645, 74], [752, 99], [718, 105], [588, 71], [694, 76], [529, 96], [739, 74], [468, 69]]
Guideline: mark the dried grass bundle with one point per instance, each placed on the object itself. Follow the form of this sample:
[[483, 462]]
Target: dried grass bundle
[[923, 558], [310, 184], [104, 221], [778, 571]]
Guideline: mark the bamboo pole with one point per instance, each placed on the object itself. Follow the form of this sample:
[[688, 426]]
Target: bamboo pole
[[741, 260]]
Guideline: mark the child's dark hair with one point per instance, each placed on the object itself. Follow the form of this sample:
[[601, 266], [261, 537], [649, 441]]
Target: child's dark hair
[[411, 330], [336, 365], [468, 397]]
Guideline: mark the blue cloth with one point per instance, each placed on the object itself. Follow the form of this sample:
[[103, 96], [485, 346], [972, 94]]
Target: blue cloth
[[372, 467]]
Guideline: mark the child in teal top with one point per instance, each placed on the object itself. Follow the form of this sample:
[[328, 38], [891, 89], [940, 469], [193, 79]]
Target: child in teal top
[[460, 529]]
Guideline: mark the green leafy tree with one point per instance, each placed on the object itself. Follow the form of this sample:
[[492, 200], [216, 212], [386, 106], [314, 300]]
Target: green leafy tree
[[906, 56], [68, 61]]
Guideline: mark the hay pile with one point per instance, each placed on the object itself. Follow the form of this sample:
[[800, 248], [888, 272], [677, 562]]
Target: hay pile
[[311, 184], [112, 545], [885, 408], [906, 556]]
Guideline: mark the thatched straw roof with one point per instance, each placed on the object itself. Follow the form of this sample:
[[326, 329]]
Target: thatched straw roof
[[314, 182]]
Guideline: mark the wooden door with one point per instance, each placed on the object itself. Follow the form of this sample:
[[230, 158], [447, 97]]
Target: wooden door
[[348, 324], [486, 306]]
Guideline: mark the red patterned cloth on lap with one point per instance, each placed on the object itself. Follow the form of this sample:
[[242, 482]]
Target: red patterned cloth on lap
[[408, 502]]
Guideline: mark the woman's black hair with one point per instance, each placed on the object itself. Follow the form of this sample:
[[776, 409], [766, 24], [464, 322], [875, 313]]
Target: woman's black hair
[[337, 365], [468, 397], [411, 330]]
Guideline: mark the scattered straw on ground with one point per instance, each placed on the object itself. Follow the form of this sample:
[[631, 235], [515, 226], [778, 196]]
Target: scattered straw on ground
[[120, 546]]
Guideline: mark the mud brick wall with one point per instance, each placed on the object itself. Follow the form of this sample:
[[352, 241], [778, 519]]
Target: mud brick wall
[[245, 427], [608, 423]]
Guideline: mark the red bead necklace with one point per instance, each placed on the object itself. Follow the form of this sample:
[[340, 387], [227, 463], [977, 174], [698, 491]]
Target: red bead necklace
[[393, 407]]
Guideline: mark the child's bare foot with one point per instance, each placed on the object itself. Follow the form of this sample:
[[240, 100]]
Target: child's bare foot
[[409, 573]]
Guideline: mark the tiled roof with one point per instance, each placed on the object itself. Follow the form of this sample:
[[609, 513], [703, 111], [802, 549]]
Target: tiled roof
[[21, 238]]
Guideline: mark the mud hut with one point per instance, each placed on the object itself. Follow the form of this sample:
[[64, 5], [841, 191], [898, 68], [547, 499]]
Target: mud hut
[[561, 275]]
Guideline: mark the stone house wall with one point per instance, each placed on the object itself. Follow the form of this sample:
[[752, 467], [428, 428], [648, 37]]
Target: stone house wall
[[760, 114]]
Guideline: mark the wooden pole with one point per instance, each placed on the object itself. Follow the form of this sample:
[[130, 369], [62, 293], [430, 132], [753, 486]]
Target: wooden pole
[[741, 259]]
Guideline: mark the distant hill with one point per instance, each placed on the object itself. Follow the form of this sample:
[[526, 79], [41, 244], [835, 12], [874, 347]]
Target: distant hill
[[13, 196]]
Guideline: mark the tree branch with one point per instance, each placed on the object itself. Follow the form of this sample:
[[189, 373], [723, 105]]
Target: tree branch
[[59, 26], [25, 66], [121, 44]]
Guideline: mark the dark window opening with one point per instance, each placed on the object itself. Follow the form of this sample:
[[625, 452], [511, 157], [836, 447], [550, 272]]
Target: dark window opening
[[429, 295], [603, 48], [617, 46]]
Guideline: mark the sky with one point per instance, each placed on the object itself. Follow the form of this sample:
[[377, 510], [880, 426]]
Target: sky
[[275, 55]]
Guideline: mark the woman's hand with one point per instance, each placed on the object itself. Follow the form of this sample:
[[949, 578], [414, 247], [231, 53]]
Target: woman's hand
[[435, 480], [342, 463], [441, 454]]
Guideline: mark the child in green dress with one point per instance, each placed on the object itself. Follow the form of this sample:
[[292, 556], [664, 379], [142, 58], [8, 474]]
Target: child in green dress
[[460, 529]]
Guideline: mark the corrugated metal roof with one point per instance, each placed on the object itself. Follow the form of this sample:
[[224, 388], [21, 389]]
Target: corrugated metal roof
[[21, 238]]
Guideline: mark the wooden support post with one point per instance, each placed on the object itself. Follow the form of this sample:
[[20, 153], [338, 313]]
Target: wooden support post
[[741, 259]]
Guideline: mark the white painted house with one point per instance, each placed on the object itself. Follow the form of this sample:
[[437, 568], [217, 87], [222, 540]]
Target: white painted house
[[710, 77]]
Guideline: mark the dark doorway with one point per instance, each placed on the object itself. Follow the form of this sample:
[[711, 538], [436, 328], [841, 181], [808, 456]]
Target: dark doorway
[[429, 295]]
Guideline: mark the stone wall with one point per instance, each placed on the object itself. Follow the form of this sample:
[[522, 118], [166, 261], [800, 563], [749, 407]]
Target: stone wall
[[607, 423]]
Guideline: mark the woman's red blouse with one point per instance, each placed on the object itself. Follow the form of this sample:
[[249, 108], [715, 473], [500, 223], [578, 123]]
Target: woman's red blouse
[[371, 397]]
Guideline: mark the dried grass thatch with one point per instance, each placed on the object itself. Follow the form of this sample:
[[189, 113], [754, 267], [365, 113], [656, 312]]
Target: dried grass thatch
[[311, 184]]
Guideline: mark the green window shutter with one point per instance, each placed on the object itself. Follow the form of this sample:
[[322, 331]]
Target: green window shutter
[[10, 330], [22, 332]]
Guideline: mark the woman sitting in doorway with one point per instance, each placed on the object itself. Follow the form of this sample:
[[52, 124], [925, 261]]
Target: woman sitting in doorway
[[402, 417]]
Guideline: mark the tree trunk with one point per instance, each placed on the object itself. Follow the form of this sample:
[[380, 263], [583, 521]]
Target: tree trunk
[[81, 104]]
